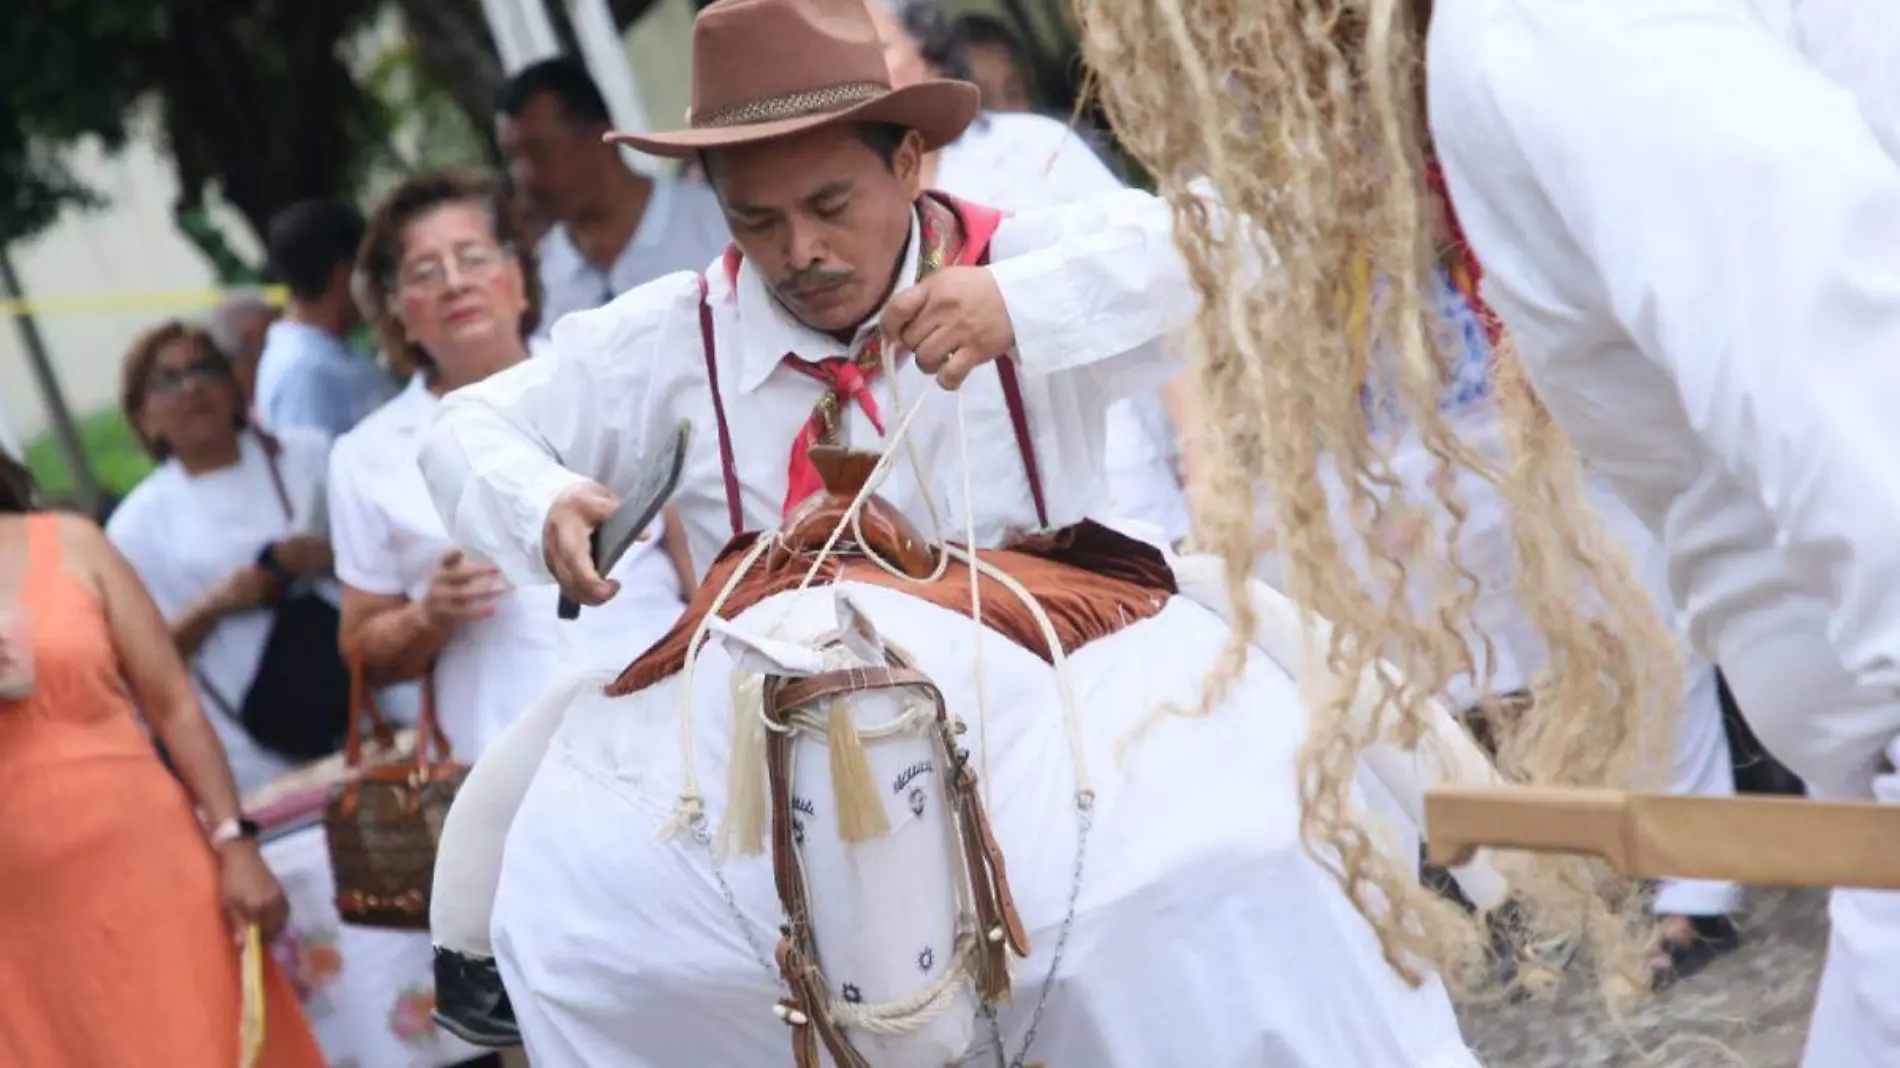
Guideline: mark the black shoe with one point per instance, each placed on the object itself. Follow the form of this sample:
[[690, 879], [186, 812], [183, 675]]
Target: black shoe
[[471, 1003], [1714, 937]]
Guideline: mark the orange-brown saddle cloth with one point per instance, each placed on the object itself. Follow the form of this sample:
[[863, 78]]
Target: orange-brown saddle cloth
[[1091, 581]]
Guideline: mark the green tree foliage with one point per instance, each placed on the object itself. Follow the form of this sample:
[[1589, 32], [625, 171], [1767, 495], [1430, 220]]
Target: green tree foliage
[[260, 100], [254, 98]]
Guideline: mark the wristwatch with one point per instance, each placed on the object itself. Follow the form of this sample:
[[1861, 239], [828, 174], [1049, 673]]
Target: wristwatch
[[267, 559], [233, 829]]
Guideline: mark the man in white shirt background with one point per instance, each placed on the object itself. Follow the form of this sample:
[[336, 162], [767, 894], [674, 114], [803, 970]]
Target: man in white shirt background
[[310, 376], [613, 228]]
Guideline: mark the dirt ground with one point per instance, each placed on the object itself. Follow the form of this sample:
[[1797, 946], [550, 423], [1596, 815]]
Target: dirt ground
[[1747, 1009]]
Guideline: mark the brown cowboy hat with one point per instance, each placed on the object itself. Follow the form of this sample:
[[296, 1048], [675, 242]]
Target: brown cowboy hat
[[764, 69]]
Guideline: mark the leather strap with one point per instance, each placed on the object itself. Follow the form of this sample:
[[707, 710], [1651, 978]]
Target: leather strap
[[797, 953], [796, 693], [734, 514], [363, 710], [271, 451], [991, 897]]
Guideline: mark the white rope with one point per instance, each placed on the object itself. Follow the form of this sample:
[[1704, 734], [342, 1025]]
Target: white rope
[[918, 470], [809, 723], [692, 804], [848, 521], [976, 607], [1059, 658], [895, 1019]]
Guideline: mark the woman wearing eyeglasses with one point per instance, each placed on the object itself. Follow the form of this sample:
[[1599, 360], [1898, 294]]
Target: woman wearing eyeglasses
[[453, 294], [228, 524]]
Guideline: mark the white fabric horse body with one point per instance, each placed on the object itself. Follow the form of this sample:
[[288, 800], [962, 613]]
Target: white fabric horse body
[[1191, 926]]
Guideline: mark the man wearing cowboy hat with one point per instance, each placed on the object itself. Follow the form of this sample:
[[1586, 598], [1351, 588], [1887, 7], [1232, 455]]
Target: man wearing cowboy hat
[[837, 252]]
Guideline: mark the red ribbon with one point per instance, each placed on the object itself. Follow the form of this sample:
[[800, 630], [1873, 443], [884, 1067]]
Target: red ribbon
[[846, 382], [1466, 272]]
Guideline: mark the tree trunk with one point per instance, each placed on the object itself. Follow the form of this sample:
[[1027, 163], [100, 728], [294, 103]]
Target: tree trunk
[[455, 51], [85, 486], [270, 125]]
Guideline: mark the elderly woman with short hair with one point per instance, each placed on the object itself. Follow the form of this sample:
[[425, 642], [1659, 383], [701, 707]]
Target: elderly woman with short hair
[[453, 294]]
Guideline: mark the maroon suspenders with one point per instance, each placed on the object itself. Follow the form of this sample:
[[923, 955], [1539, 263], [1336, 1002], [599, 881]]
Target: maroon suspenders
[[1005, 369], [726, 467]]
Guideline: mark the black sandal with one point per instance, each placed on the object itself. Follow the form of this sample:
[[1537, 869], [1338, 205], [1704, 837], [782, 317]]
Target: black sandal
[[1712, 937]]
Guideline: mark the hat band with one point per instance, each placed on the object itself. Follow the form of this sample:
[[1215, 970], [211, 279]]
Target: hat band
[[794, 105]]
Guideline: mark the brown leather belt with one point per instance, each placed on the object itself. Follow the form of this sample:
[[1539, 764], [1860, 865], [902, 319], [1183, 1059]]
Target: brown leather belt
[[807, 1008]]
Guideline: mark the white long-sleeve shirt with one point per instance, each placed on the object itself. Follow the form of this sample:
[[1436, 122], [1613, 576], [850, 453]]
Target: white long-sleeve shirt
[[1091, 289], [1695, 237], [1018, 161]]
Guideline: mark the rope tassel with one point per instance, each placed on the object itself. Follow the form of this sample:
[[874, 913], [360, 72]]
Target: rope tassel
[[742, 827], [861, 815]]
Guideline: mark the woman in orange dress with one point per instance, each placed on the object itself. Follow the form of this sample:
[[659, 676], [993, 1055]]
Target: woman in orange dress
[[121, 915]]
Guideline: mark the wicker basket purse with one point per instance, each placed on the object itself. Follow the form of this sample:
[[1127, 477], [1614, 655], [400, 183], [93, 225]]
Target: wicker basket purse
[[383, 821]]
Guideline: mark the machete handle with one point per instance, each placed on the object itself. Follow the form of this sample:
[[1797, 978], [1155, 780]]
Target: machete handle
[[567, 608]]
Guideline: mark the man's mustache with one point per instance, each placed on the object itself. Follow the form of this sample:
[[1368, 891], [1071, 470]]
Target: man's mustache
[[815, 279]]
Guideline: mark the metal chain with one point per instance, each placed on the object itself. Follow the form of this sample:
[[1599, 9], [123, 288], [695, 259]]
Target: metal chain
[[1084, 821], [704, 837]]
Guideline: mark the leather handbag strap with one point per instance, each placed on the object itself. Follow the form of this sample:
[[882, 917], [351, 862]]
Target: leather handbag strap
[[429, 727], [271, 449], [363, 710]]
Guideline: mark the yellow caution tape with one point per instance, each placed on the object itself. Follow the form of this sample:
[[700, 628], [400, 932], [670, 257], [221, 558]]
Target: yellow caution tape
[[157, 300], [252, 1027]]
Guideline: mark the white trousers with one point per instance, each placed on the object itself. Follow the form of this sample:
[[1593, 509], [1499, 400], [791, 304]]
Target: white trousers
[[1702, 766], [1702, 763], [1857, 1013]]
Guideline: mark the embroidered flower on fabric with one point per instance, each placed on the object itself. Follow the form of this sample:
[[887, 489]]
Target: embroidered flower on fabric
[[917, 802], [409, 1018], [798, 832], [926, 959], [852, 994], [310, 958]]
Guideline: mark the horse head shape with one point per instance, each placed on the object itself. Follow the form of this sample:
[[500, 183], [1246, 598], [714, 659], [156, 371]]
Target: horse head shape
[[895, 931]]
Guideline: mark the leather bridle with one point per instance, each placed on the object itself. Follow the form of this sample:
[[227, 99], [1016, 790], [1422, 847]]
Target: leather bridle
[[807, 1007]]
